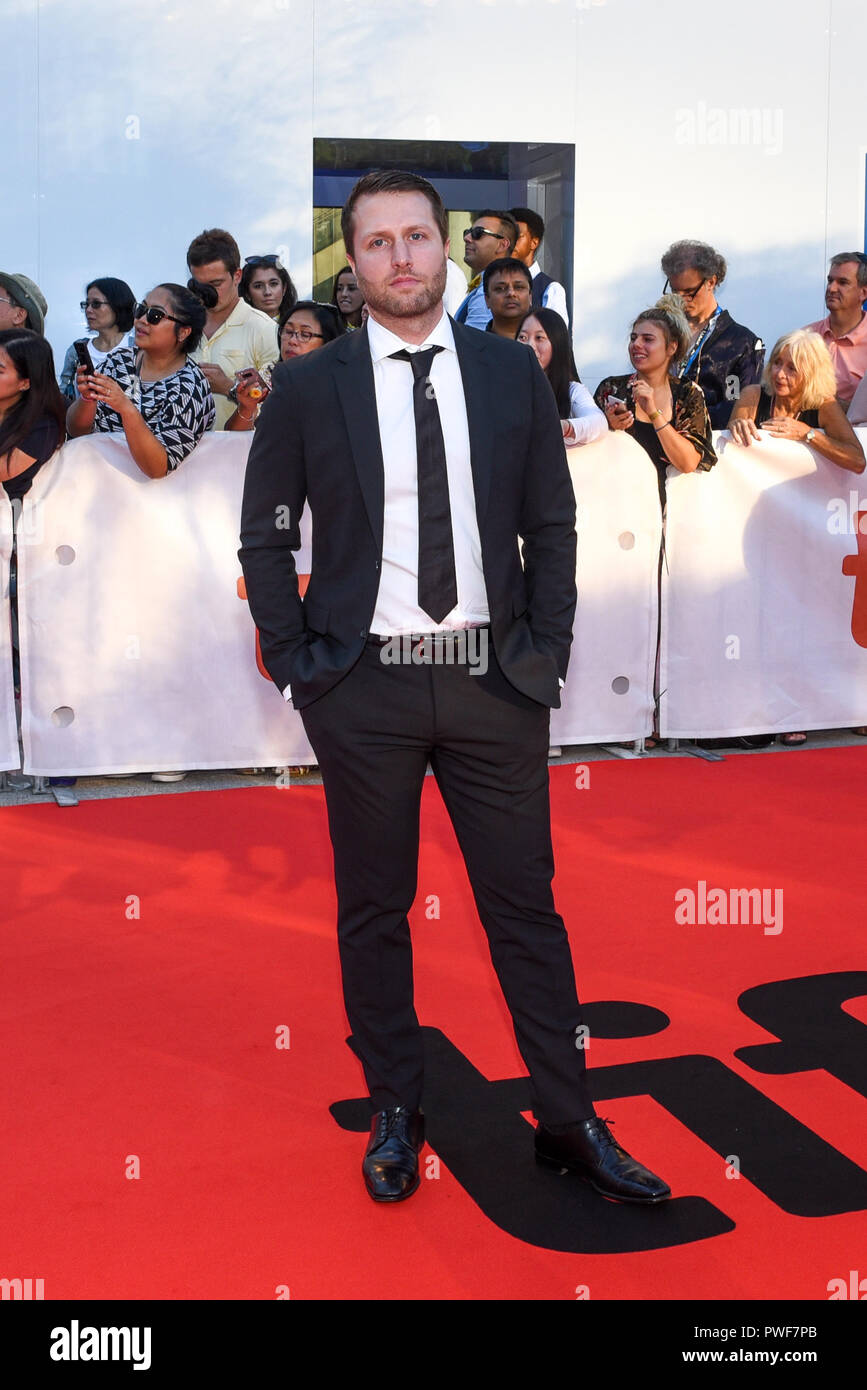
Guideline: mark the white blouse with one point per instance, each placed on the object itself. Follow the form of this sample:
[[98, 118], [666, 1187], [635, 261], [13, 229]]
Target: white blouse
[[587, 420]]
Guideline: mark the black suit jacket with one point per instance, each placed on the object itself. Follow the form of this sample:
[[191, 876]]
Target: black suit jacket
[[317, 440]]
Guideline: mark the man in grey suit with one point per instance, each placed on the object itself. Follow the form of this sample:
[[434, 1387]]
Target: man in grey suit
[[425, 450]]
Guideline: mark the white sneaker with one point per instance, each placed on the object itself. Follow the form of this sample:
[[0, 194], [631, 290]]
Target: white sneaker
[[555, 751], [168, 776]]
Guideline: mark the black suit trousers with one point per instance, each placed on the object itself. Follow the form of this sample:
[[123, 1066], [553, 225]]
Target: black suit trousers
[[374, 734]]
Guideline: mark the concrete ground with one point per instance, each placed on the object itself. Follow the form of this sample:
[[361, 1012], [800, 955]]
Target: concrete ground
[[13, 793]]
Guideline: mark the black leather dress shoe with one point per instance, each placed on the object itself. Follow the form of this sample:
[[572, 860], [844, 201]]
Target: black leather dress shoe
[[390, 1164], [590, 1149]]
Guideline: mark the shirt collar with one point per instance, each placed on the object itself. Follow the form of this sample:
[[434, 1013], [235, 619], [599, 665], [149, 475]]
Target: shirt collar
[[238, 315], [383, 342], [855, 335]]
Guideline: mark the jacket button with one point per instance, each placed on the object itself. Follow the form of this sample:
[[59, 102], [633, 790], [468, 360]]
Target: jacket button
[[363, 632]]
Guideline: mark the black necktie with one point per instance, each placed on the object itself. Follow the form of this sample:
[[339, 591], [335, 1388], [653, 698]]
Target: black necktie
[[437, 583]]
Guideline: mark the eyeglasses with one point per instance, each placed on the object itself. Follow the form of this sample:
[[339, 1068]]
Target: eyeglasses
[[302, 334], [688, 295], [478, 232], [11, 302], [93, 304], [261, 260], [154, 314]]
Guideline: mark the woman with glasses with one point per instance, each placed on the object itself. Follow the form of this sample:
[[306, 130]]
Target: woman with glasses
[[265, 285], [307, 326], [347, 298], [546, 334], [310, 325], [153, 394], [108, 308]]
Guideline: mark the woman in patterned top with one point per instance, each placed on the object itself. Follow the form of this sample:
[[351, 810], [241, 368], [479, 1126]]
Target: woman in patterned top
[[161, 401], [667, 416]]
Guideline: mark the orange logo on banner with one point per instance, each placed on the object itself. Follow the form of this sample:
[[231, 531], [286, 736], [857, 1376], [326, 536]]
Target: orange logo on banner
[[303, 581], [856, 565]]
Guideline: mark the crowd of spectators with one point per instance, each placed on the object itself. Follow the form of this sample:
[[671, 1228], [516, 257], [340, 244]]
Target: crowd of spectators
[[188, 358]]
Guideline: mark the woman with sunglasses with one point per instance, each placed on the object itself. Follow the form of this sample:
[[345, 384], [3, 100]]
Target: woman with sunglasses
[[265, 285], [347, 298], [544, 331], [153, 394], [107, 306], [310, 325]]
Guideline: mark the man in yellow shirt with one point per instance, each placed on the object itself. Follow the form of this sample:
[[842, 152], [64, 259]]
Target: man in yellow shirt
[[236, 335]]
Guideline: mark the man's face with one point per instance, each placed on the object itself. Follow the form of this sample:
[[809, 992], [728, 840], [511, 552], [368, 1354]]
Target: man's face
[[11, 314], [399, 256], [843, 294], [217, 274], [697, 294], [508, 295], [526, 246], [489, 247]]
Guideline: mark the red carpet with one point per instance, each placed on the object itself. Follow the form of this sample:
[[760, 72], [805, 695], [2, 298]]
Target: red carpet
[[148, 1043]]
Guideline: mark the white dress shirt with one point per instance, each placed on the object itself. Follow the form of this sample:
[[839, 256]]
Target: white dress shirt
[[456, 288], [554, 296], [397, 610]]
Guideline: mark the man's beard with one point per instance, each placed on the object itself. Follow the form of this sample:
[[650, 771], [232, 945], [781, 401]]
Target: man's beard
[[404, 306]]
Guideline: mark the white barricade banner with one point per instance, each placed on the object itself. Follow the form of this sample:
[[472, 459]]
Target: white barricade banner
[[764, 621], [608, 693], [137, 650], [9, 759]]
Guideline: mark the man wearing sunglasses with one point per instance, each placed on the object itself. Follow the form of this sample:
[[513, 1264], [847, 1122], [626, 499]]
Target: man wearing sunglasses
[[491, 237], [22, 303], [723, 356], [236, 336]]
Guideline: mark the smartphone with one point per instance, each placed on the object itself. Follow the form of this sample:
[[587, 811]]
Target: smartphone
[[84, 358], [254, 381], [614, 400]]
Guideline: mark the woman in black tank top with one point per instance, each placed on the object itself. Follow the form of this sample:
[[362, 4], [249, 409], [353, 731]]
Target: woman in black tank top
[[797, 400]]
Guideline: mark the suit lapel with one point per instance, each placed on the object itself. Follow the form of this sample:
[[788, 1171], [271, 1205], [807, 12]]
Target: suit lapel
[[353, 371], [470, 346]]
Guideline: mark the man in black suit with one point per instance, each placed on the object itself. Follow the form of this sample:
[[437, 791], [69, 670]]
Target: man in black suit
[[425, 450]]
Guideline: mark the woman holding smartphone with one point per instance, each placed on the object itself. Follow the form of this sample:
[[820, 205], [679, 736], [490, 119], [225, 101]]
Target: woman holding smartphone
[[153, 394], [665, 414]]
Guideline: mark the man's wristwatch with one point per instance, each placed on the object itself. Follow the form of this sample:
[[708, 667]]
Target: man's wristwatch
[[809, 436], [232, 393]]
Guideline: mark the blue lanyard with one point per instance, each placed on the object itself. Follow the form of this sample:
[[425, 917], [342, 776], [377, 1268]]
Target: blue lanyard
[[706, 331]]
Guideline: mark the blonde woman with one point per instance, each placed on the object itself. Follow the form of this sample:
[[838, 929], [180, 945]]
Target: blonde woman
[[797, 400]]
